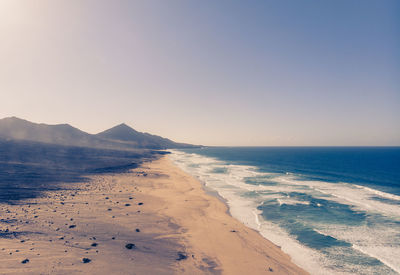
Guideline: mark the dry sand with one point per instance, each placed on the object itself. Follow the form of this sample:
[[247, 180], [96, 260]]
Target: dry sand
[[173, 225]]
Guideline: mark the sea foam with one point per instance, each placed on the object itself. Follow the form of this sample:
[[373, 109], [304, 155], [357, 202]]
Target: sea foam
[[245, 188]]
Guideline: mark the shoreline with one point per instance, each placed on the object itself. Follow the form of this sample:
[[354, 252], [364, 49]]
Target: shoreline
[[249, 251], [175, 225]]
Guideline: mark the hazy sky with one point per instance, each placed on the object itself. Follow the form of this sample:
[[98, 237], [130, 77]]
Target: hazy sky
[[207, 72]]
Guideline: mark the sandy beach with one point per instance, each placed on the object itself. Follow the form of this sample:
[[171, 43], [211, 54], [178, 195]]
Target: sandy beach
[[154, 220]]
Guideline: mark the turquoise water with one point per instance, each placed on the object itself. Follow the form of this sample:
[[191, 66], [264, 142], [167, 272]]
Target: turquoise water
[[335, 210]]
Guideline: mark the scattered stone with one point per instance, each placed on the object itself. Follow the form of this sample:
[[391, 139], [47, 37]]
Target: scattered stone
[[181, 256], [130, 246], [25, 261]]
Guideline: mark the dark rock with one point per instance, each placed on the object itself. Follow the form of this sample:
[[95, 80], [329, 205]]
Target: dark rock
[[181, 256], [72, 226], [140, 203], [86, 260], [94, 244], [127, 204], [25, 261], [137, 230], [130, 246]]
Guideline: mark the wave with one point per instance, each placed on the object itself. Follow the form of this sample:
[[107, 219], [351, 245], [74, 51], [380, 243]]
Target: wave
[[345, 212]]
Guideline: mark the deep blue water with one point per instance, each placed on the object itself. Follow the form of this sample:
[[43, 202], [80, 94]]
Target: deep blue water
[[338, 207], [371, 166]]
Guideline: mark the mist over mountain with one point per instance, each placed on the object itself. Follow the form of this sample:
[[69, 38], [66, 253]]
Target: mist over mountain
[[125, 134], [118, 137]]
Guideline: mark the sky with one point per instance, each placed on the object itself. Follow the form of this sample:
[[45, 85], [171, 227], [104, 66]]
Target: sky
[[234, 73]]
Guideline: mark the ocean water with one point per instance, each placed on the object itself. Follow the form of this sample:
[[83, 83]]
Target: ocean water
[[334, 210]]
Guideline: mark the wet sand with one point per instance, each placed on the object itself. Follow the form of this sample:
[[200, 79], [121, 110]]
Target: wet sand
[[154, 220]]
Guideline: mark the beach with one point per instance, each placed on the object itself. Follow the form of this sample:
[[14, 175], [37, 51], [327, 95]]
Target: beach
[[156, 219]]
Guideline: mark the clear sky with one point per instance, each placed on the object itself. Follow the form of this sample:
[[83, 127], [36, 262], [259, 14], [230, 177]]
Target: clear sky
[[207, 72]]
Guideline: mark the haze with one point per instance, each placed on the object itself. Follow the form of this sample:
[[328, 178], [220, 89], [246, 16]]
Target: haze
[[207, 72]]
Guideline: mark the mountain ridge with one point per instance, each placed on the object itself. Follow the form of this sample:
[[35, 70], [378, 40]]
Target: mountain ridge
[[120, 136]]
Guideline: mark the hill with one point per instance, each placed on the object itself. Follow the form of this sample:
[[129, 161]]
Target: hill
[[124, 133], [118, 137]]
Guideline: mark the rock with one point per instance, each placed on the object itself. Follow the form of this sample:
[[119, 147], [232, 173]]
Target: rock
[[181, 256], [72, 226], [86, 260], [25, 261], [127, 204], [94, 244], [140, 203], [130, 246], [137, 230]]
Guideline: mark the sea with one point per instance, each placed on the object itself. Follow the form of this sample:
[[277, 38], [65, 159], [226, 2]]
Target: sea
[[334, 210]]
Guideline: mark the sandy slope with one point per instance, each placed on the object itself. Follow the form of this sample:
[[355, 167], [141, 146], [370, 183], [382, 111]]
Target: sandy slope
[[181, 229]]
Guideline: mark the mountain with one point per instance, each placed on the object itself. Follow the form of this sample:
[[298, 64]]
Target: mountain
[[125, 134], [119, 137]]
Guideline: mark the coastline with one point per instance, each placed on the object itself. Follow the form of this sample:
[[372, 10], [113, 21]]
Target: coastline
[[210, 230], [175, 226]]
